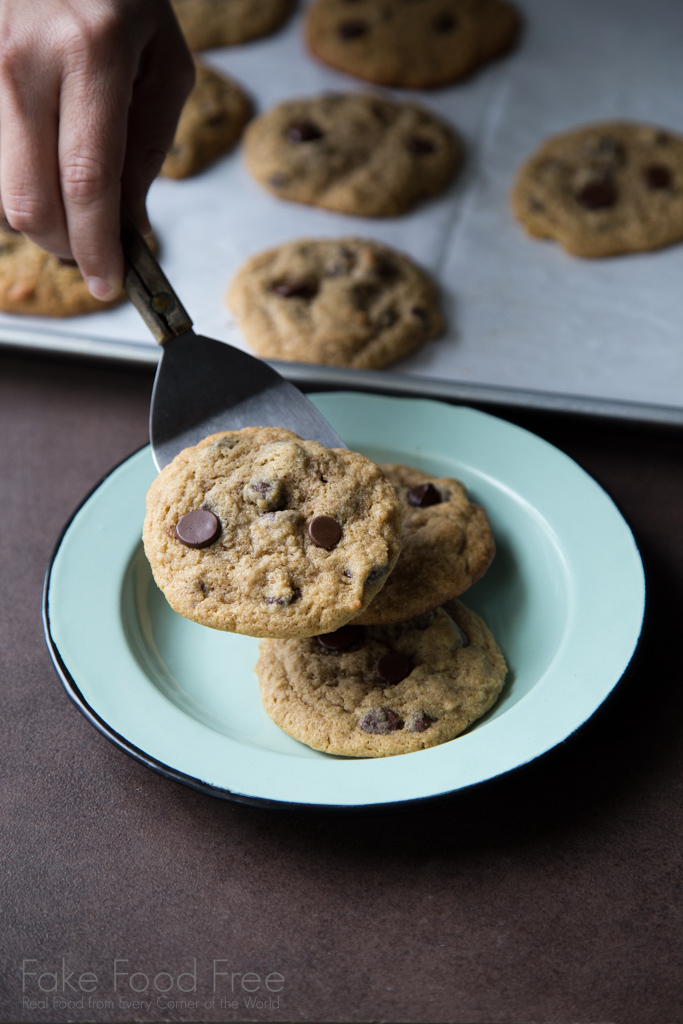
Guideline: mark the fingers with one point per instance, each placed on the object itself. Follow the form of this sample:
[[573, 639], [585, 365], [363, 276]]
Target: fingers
[[29, 171], [91, 148], [165, 80]]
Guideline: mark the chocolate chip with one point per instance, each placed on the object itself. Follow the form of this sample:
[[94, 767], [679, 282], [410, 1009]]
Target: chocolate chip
[[597, 194], [219, 117], [278, 180], [388, 318], [606, 148], [657, 176], [352, 29], [267, 495], [385, 268], [375, 574], [423, 495], [363, 294], [393, 667], [419, 144], [380, 721], [304, 131], [419, 723], [383, 114], [420, 312], [444, 23], [198, 528], [325, 532], [341, 638], [462, 636], [303, 289]]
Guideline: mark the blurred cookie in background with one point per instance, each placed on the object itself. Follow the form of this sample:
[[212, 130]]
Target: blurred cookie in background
[[210, 23], [353, 153], [412, 45], [604, 189], [341, 302], [210, 124], [36, 283]]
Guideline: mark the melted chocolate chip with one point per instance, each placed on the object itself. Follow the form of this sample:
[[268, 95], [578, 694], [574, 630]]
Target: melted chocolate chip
[[325, 532], [420, 312], [597, 194], [352, 29], [444, 23], [198, 528], [606, 148], [393, 667], [380, 721], [278, 180], [304, 131], [388, 318], [462, 636], [657, 176], [341, 638], [220, 117], [375, 574], [385, 268], [363, 294], [419, 144], [423, 495], [421, 722], [303, 289]]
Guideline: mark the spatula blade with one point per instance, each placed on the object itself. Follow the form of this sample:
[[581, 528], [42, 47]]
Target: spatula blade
[[203, 386]]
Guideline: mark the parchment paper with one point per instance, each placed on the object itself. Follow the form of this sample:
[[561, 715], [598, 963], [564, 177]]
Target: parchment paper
[[522, 313]]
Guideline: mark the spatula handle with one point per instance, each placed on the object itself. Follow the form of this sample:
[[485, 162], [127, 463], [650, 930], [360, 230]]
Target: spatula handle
[[147, 288]]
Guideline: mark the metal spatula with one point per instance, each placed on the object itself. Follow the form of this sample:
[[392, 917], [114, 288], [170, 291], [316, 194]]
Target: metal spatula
[[202, 385]]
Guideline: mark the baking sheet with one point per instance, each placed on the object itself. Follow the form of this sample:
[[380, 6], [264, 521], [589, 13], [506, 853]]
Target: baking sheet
[[525, 318]]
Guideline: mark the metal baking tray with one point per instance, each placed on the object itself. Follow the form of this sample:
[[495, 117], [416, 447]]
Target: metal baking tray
[[529, 325]]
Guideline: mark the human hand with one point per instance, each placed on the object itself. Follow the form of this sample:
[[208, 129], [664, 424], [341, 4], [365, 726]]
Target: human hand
[[90, 93]]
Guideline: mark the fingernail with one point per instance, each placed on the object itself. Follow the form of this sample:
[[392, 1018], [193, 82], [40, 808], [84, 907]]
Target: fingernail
[[101, 289]]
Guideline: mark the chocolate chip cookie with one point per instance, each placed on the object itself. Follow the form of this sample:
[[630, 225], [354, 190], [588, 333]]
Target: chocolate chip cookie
[[352, 153], [446, 546], [412, 45], [255, 531], [374, 691], [35, 282], [343, 302], [210, 124], [604, 189], [210, 23]]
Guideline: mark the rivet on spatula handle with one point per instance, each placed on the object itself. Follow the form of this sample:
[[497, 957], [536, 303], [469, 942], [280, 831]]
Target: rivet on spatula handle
[[147, 288]]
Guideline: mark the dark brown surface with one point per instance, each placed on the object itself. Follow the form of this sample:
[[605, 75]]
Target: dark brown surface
[[552, 896]]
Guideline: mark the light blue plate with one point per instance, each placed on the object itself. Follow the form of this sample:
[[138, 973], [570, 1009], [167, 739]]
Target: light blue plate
[[564, 597]]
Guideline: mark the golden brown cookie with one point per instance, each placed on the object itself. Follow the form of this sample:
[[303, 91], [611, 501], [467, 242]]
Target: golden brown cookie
[[210, 124], [342, 302], [408, 44], [604, 189], [446, 546], [352, 153], [375, 691], [35, 282], [255, 531], [210, 23]]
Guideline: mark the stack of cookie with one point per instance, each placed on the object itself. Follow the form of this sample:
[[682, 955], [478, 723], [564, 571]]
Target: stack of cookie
[[349, 571]]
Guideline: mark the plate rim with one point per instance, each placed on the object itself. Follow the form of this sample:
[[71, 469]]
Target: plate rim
[[222, 792]]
